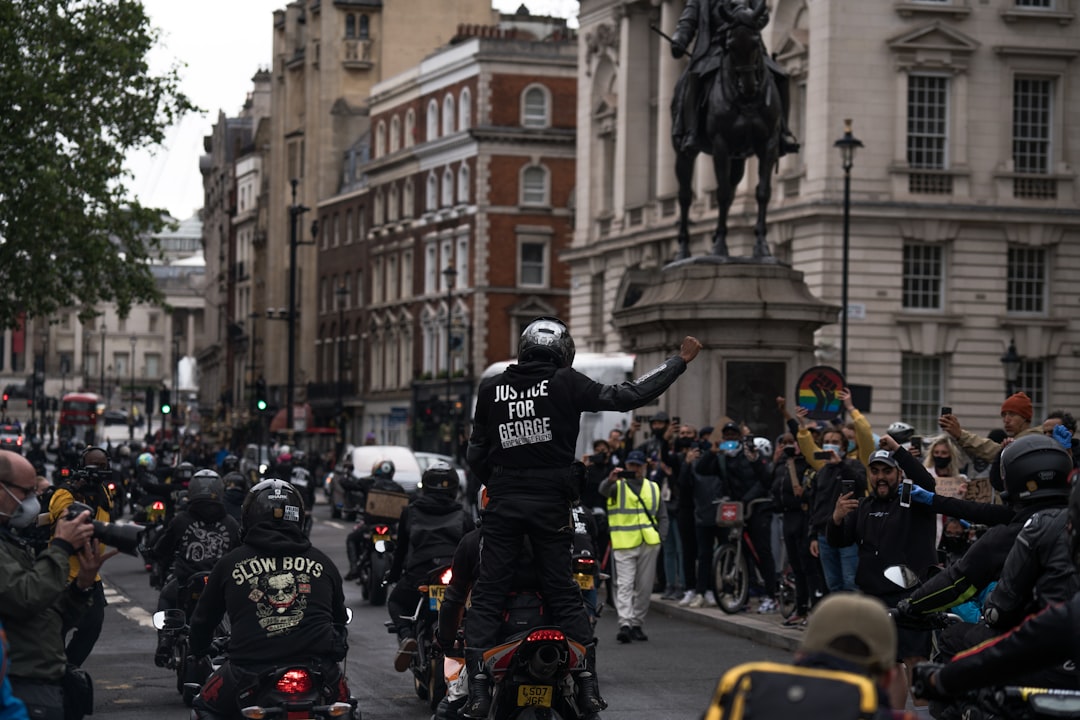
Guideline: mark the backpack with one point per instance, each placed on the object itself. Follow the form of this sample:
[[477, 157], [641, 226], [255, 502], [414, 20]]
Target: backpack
[[774, 691]]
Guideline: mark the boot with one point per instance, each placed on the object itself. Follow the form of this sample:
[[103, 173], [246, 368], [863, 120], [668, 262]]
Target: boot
[[588, 686], [406, 650], [350, 550], [479, 703], [164, 650]]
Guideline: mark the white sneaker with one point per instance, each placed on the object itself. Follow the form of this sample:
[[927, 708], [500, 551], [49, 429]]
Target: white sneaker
[[768, 605], [710, 598], [688, 598], [698, 601]]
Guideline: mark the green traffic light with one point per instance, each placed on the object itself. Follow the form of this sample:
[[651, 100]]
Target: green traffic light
[[166, 409], [261, 404]]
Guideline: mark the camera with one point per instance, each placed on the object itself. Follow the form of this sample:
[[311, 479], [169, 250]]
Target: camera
[[789, 451], [627, 475], [823, 455], [124, 538]]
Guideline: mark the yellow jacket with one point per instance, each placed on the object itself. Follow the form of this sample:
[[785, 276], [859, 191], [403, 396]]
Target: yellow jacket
[[57, 507], [864, 442]]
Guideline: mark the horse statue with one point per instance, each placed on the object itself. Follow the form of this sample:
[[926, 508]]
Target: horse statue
[[743, 116]]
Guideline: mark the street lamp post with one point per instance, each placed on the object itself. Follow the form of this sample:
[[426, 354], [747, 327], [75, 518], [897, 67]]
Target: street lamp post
[[848, 144], [101, 362], [251, 376], [1011, 362], [341, 293], [295, 211], [131, 393], [450, 273]]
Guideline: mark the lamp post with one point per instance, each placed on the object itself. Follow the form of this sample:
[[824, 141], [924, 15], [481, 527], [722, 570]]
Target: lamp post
[[1011, 362], [251, 375], [848, 144], [101, 362], [341, 293], [131, 393], [295, 211], [450, 273]]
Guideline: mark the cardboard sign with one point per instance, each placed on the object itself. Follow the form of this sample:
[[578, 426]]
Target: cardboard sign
[[953, 487], [817, 391]]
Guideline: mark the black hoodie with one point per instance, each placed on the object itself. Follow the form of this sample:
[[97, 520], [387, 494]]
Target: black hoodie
[[528, 418], [196, 538], [429, 530], [283, 596]]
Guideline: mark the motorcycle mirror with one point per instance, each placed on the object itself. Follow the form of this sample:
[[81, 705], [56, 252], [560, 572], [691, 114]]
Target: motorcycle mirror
[[348, 615], [902, 576], [159, 620]]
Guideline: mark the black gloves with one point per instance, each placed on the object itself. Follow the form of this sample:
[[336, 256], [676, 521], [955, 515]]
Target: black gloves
[[925, 682]]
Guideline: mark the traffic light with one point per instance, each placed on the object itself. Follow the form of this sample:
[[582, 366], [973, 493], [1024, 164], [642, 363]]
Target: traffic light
[[149, 402], [260, 395], [166, 401], [30, 402], [4, 405]]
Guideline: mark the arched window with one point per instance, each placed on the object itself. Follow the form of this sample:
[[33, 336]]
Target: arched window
[[432, 120], [447, 188], [432, 199], [378, 219], [392, 208], [448, 115], [465, 110], [534, 185], [350, 26], [408, 204], [380, 139], [410, 128], [395, 134], [365, 27], [535, 107], [463, 184]]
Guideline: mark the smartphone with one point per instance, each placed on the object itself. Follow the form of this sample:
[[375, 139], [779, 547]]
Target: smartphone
[[946, 410], [641, 419], [905, 493], [823, 455], [847, 486], [676, 420], [627, 474]]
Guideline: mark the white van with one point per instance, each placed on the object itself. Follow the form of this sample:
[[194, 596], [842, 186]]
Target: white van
[[607, 368]]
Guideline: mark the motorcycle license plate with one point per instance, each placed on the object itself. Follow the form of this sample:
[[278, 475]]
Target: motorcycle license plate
[[534, 696], [585, 581], [380, 536], [435, 596]]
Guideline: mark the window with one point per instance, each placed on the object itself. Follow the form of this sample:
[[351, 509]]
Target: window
[[447, 188], [408, 206], [432, 120], [1032, 380], [1044, 4], [463, 184], [1032, 134], [534, 107], [379, 207], [465, 109], [920, 392], [350, 26], [928, 132], [432, 199], [1026, 285], [392, 208], [448, 115], [431, 267], [324, 294], [365, 27], [153, 365], [380, 139], [324, 223], [410, 128], [395, 134], [447, 259], [462, 259], [391, 278], [348, 227], [337, 229], [406, 274], [120, 365], [152, 322], [377, 281], [922, 276], [534, 186], [532, 262], [344, 301]]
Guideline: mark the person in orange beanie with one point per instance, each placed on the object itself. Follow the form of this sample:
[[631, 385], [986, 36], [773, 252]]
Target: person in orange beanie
[[1016, 414]]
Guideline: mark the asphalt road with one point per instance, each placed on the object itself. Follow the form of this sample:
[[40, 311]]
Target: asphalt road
[[669, 678]]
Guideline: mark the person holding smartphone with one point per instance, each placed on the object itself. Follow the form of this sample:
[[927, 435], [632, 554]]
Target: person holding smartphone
[[887, 533]]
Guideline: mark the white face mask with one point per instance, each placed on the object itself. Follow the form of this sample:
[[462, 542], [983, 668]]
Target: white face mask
[[26, 514]]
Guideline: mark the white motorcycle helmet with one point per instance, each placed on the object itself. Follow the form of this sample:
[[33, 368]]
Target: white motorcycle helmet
[[763, 446]]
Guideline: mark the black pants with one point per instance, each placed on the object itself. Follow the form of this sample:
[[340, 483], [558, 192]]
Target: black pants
[[761, 536], [403, 601], [549, 526], [352, 547], [804, 566], [705, 541], [219, 693], [688, 535], [88, 629], [170, 594]]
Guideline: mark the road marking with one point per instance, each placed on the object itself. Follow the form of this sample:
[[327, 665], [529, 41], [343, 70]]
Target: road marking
[[333, 524], [112, 596], [136, 613]]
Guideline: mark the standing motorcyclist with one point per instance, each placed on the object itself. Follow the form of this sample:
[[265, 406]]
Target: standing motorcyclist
[[283, 597], [430, 528], [381, 478], [522, 447], [194, 540]]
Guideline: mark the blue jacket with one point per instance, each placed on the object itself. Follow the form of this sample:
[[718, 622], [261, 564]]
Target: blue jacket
[[11, 707]]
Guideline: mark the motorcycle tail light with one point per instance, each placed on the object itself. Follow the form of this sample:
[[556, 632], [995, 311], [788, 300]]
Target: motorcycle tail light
[[446, 577], [546, 635], [65, 472], [294, 682], [382, 529], [158, 505], [584, 565]]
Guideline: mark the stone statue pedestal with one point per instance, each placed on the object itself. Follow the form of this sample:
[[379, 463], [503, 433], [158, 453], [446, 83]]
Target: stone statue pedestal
[[756, 321]]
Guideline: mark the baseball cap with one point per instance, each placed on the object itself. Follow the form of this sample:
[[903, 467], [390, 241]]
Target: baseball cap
[[731, 426], [882, 456], [635, 456], [660, 417], [852, 627]]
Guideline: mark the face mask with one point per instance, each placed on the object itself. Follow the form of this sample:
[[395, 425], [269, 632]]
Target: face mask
[[730, 447], [941, 463], [829, 446], [659, 432], [851, 446], [26, 514]]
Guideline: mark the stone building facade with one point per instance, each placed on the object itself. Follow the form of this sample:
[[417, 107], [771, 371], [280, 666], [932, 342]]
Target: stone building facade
[[964, 221]]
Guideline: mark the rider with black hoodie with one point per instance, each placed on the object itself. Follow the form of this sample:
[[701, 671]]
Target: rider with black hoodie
[[523, 447], [284, 599]]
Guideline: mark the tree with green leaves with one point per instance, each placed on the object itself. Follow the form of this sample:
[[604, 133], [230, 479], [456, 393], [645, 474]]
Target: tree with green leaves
[[76, 97]]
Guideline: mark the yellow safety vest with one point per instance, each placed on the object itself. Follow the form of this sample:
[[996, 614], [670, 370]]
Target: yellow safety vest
[[627, 521]]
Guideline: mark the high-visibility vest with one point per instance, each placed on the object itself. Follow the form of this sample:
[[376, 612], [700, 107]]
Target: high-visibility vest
[[628, 523]]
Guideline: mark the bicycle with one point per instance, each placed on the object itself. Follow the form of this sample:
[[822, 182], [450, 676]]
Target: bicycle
[[731, 567]]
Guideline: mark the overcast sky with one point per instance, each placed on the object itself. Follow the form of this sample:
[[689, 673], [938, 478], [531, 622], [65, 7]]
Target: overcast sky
[[221, 44]]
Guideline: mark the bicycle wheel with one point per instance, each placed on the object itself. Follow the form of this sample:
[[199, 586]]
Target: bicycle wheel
[[731, 577], [787, 595]]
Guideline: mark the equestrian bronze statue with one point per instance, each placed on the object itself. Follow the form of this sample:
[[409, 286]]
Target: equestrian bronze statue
[[731, 102]]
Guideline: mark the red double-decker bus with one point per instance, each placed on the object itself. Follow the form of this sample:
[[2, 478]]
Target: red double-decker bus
[[81, 418]]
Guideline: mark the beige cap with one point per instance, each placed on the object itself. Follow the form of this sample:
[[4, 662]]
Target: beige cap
[[853, 627]]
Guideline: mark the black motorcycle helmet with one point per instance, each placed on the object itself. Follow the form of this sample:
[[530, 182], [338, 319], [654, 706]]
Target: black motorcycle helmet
[[183, 473], [230, 463], [275, 502], [440, 479], [1034, 467], [235, 481], [383, 469], [547, 338], [206, 485]]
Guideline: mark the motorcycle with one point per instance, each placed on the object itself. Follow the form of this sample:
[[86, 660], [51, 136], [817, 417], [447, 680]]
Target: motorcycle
[[427, 662], [376, 557], [533, 676], [1007, 702], [191, 671]]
